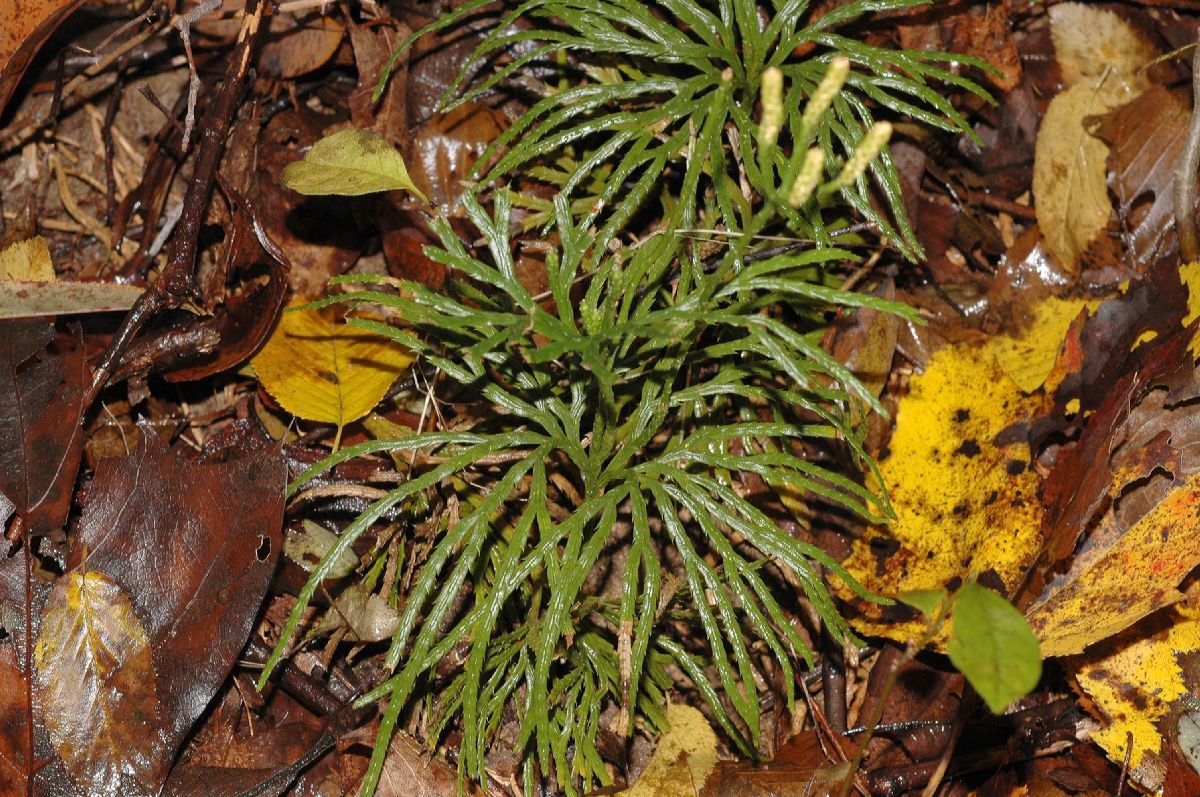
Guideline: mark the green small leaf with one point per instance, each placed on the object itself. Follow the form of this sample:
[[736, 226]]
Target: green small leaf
[[991, 645], [349, 163], [923, 600]]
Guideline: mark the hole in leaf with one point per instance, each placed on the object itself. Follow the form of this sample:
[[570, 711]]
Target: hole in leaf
[[264, 549]]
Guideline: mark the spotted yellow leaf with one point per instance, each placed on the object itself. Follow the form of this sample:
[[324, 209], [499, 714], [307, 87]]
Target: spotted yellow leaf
[[965, 497], [1139, 683]]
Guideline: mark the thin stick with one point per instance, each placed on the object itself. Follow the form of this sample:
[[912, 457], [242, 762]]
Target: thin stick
[[177, 282], [1185, 177]]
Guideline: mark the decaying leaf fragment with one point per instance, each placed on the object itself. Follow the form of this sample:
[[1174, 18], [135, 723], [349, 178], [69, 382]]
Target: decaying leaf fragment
[[98, 690]]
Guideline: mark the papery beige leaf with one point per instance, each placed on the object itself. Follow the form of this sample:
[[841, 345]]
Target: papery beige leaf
[[1097, 48], [686, 755], [1069, 169], [97, 688]]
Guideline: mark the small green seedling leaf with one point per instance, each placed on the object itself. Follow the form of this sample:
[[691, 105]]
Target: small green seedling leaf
[[349, 163], [992, 645], [926, 601]]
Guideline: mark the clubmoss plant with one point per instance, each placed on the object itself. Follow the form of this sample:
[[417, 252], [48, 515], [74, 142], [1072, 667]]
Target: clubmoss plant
[[602, 529]]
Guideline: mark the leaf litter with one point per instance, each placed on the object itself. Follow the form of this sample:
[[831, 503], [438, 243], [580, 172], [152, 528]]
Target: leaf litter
[[1042, 449]]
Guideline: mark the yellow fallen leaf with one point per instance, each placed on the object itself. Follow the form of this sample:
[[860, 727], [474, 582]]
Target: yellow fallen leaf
[[1069, 174], [1108, 587], [27, 260], [1189, 274], [965, 501], [1137, 686], [349, 163], [1028, 358], [686, 755], [324, 371]]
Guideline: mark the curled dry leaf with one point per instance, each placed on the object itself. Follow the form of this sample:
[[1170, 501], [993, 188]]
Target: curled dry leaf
[[242, 309], [319, 234], [97, 684]]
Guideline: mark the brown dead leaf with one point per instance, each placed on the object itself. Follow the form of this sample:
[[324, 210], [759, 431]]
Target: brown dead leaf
[[1146, 136], [41, 393], [443, 150], [24, 28], [242, 309], [800, 769], [295, 44], [165, 576], [17, 761], [408, 771]]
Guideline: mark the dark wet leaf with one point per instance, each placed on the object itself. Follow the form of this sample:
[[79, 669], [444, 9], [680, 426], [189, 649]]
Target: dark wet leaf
[[98, 688], [41, 392], [1147, 137]]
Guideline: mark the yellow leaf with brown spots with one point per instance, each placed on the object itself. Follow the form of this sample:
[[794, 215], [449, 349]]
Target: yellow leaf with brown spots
[[1139, 683], [965, 497]]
